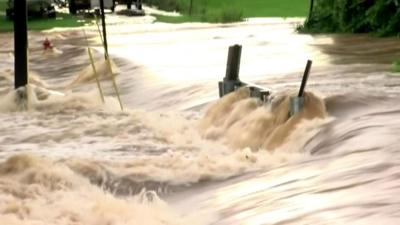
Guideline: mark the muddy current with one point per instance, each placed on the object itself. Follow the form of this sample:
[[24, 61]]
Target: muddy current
[[177, 154]]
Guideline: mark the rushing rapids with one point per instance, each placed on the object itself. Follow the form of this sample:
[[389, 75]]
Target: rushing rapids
[[179, 155]]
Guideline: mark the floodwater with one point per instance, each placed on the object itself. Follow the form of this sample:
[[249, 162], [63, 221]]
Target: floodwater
[[177, 154]]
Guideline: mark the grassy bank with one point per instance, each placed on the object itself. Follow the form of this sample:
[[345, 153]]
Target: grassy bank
[[230, 10], [62, 20]]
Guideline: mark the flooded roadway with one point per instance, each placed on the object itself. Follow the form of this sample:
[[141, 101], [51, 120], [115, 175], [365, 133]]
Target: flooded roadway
[[87, 162]]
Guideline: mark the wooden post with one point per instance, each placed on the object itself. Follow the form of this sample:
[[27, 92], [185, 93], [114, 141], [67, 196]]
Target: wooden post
[[20, 44], [233, 64]]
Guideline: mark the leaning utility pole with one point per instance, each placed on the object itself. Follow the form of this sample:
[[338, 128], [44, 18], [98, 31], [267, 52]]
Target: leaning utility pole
[[107, 58], [20, 44], [103, 23]]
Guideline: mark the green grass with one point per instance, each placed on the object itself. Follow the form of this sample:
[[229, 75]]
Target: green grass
[[220, 10], [263, 8], [396, 66], [63, 20]]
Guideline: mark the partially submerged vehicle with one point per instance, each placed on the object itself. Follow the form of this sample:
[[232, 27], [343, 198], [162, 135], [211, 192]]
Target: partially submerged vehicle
[[129, 11], [36, 8], [76, 5]]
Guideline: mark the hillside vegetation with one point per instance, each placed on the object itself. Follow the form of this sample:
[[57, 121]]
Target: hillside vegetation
[[349, 16]]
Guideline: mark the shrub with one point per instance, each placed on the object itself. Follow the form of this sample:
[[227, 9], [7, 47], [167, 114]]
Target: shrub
[[228, 15], [396, 66], [169, 5], [350, 16]]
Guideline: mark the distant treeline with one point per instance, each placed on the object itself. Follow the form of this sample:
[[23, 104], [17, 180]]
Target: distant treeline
[[354, 16]]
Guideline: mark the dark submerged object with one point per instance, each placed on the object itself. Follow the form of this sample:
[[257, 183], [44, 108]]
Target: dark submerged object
[[231, 82]]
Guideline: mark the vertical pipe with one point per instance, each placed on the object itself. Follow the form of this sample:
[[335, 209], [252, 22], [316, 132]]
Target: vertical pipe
[[20, 44], [103, 23], [233, 64], [221, 89], [305, 78]]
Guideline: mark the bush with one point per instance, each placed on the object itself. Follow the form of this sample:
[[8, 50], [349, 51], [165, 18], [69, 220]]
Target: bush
[[229, 15], [362, 16], [168, 5], [225, 15], [396, 66]]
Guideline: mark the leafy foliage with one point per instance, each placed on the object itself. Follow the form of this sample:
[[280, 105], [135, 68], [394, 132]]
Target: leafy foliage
[[354, 16], [396, 66]]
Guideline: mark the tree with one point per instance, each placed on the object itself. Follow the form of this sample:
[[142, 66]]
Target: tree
[[354, 16]]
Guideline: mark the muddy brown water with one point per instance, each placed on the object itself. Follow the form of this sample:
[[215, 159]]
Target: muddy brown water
[[73, 160]]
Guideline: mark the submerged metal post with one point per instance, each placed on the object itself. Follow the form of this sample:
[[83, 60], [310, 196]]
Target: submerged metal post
[[103, 23], [20, 44], [305, 78], [233, 63], [297, 102], [231, 80]]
